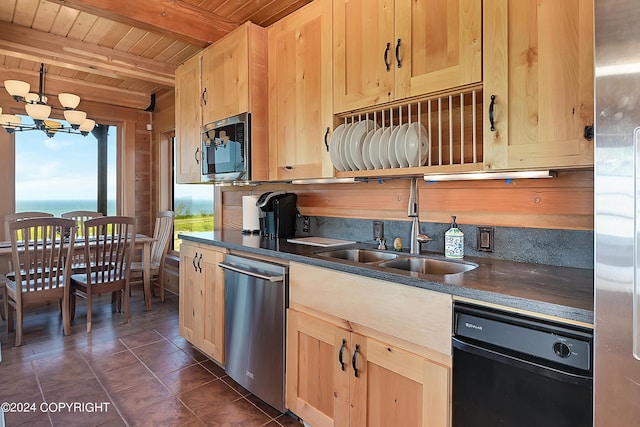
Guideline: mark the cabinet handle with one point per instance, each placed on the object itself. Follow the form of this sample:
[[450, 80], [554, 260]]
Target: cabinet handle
[[398, 54], [193, 261], [491, 118], [204, 96], [195, 155], [199, 261], [386, 57], [344, 343], [326, 140], [353, 360]]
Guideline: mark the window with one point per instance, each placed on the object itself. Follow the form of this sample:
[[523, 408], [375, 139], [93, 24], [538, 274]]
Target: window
[[192, 205], [60, 174]]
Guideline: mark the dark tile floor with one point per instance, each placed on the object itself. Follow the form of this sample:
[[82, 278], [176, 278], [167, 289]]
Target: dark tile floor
[[138, 374]]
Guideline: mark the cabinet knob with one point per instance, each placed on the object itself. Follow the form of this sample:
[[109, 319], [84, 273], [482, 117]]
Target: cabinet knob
[[398, 54], [204, 96]]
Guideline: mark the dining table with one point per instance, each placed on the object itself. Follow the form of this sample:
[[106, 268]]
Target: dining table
[[142, 242]]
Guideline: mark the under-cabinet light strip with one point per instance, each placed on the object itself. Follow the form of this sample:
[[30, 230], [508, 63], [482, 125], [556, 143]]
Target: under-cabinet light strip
[[471, 176]]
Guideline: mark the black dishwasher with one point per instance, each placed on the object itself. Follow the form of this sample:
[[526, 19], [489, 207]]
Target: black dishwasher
[[514, 370]]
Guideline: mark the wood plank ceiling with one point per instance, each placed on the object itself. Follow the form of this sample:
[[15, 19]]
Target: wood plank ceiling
[[117, 52]]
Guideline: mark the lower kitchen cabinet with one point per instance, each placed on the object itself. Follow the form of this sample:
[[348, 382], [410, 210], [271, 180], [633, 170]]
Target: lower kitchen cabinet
[[365, 352], [202, 298], [340, 378]]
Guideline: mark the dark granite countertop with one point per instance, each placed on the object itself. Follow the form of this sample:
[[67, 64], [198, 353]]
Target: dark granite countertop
[[548, 290]]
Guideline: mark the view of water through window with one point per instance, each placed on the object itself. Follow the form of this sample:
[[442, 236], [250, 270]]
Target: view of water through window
[[60, 174]]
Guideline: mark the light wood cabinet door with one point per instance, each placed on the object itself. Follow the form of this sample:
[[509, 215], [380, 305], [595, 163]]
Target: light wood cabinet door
[[191, 291], [396, 388], [213, 305], [300, 93], [202, 299], [225, 76], [340, 378], [387, 50], [317, 388], [440, 45], [538, 71], [188, 122], [363, 35]]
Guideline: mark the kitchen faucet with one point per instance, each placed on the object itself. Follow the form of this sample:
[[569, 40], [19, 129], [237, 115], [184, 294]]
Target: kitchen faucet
[[414, 212]]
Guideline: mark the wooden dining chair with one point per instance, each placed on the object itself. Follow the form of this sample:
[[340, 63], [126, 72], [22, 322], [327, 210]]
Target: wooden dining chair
[[20, 215], [80, 217], [78, 263], [40, 255], [162, 233], [7, 236], [108, 243]]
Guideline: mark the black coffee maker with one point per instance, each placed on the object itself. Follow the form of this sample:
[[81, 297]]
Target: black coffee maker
[[278, 211]]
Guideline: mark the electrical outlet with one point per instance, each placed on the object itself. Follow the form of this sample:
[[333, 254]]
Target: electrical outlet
[[378, 230], [306, 224], [485, 239]]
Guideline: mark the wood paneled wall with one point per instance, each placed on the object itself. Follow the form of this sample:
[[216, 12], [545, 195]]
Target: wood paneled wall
[[564, 202]]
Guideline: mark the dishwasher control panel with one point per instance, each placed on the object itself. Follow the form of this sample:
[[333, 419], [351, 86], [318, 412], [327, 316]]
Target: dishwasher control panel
[[526, 336]]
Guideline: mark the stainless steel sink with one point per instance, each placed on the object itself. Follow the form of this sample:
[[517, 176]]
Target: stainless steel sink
[[428, 265], [359, 255]]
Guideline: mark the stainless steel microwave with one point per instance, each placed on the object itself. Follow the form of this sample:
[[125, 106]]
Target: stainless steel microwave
[[226, 149]]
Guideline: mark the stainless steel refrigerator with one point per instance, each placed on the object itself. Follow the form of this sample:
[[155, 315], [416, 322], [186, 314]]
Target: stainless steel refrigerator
[[617, 213]]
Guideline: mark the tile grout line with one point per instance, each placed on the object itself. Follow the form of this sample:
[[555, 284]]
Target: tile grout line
[[174, 395], [35, 372], [105, 389]]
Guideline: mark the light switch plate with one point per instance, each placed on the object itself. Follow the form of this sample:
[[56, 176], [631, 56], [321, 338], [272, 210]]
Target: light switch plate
[[485, 239]]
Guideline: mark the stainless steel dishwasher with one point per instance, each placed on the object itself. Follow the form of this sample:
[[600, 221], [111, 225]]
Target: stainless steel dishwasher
[[255, 301]]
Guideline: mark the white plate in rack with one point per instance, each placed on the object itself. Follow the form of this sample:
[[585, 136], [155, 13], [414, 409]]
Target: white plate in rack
[[391, 150], [417, 141], [374, 149], [344, 145], [366, 156], [357, 138], [334, 148], [384, 147], [399, 145]]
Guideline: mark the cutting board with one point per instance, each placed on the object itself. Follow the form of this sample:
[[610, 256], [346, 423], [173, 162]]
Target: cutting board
[[323, 242]]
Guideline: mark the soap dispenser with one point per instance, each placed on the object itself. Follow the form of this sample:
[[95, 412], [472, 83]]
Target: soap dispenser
[[454, 241]]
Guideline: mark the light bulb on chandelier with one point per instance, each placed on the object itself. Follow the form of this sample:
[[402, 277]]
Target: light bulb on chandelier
[[37, 108]]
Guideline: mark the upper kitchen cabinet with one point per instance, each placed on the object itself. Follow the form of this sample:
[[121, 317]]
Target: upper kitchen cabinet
[[188, 122], [227, 78], [234, 71], [386, 51], [300, 93], [538, 83]]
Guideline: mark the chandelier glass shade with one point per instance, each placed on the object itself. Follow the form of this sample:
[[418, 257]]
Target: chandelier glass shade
[[37, 107]]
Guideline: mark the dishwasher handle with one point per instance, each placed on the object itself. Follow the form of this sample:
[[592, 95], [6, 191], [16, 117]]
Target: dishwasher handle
[[276, 278]]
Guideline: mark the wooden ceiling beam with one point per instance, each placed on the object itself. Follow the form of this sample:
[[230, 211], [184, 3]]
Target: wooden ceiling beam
[[34, 45], [87, 91], [174, 18]]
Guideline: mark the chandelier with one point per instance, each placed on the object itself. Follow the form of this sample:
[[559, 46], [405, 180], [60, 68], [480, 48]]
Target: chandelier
[[39, 110]]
